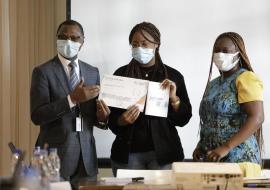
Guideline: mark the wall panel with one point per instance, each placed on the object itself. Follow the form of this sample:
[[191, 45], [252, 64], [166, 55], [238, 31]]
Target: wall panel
[[27, 38]]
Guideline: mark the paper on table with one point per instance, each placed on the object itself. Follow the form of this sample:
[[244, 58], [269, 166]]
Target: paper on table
[[157, 100], [122, 92], [114, 180], [63, 185]]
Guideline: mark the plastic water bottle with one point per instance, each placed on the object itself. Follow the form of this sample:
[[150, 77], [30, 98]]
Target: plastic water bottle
[[45, 170], [39, 168], [14, 160], [55, 162], [31, 179]]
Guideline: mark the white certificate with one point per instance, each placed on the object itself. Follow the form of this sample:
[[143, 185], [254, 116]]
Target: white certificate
[[122, 92], [157, 100]]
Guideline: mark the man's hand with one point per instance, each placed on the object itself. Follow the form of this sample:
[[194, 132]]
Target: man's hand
[[84, 93], [103, 111]]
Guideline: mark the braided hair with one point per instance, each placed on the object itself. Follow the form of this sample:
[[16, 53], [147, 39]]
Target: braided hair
[[244, 63], [133, 68]]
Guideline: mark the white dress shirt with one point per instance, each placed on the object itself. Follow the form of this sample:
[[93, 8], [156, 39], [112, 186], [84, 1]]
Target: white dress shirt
[[65, 62]]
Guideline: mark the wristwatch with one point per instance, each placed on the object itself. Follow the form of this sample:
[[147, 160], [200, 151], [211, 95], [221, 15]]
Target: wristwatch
[[102, 125]]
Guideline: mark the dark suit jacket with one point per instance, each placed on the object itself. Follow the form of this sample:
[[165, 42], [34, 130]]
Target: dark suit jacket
[[50, 109]]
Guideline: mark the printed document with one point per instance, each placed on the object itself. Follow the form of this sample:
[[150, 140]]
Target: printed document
[[157, 100], [123, 92]]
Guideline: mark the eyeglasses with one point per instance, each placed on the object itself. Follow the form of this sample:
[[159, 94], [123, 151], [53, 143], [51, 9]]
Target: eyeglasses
[[72, 38]]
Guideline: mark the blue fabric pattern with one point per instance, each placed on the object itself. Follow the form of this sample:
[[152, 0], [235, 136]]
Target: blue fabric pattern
[[221, 117]]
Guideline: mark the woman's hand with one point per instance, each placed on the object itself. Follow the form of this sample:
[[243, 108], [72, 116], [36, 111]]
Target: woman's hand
[[174, 99], [172, 86], [197, 155], [217, 154], [103, 111], [129, 116]]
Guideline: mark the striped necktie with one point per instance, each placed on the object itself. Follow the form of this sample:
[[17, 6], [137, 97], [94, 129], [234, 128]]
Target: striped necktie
[[74, 79]]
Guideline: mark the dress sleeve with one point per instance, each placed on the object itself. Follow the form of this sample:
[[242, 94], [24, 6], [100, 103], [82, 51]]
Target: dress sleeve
[[249, 87]]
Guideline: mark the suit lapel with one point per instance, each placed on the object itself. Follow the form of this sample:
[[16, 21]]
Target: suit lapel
[[83, 71], [61, 75]]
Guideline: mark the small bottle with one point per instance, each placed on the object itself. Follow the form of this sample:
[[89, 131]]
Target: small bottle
[[31, 179], [37, 149], [45, 172], [14, 160], [35, 161], [55, 162], [39, 168]]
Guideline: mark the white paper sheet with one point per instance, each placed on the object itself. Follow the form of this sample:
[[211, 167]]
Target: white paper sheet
[[122, 92], [157, 100], [63, 185]]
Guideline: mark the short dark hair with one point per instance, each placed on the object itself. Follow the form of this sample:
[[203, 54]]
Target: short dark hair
[[70, 22]]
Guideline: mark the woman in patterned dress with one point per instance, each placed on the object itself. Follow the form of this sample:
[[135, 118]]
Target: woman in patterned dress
[[231, 110]]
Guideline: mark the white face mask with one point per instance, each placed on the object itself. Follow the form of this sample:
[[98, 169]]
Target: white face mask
[[143, 55], [68, 48], [224, 61]]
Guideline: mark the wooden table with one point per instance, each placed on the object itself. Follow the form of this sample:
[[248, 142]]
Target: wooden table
[[105, 186], [100, 186], [130, 186]]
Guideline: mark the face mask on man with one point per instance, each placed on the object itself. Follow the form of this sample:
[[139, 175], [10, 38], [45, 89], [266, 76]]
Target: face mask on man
[[143, 55], [224, 61], [68, 48]]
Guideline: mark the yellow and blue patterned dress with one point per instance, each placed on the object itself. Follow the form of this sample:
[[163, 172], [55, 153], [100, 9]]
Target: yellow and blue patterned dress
[[221, 116]]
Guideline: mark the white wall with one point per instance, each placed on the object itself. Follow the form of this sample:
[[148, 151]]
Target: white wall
[[188, 30]]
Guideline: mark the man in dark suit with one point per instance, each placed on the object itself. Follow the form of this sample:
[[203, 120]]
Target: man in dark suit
[[64, 103]]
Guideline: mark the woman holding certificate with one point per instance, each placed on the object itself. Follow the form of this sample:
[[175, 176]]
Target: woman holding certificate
[[143, 141], [231, 110]]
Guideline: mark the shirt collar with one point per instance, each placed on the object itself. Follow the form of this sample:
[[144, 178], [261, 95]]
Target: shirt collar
[[65, 61]]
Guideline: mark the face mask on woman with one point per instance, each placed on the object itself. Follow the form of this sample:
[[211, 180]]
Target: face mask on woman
[[68, 48], [143, 55], [224, 61]]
